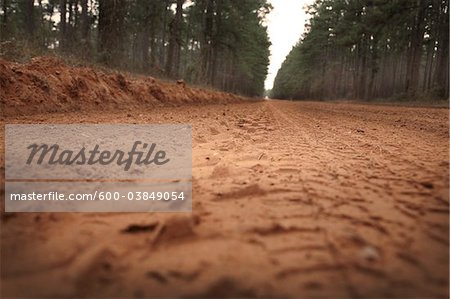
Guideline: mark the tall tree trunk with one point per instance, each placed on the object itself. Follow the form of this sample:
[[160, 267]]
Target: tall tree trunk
[[394, 74], [164, 30], [207, 27], [153, 8], [363, 69], [51, 11], [144, 49], [43, 37], [179, 40], [441, 79], [111, 31], [145, 43], [29, 19], [70, 26], [215, 46], [70, 17], [415, 53], [84, 21], [428, 65], [373, 68], [62, 24], [173, 53], [153, 52], [4, 32]]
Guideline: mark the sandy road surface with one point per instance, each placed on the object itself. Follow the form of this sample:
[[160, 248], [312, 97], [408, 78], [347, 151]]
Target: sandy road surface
[[296, 200]]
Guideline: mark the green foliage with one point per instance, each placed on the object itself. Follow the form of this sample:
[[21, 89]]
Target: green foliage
[[220, 43], [231, 44], [363, 49]]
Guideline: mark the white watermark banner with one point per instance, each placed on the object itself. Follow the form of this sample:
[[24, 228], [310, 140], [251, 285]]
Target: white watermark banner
[[98, 168]]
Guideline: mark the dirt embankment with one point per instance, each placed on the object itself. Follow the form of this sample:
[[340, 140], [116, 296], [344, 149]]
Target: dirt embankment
[[46, 84]]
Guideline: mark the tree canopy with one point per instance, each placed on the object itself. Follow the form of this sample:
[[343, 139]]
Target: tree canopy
[[219, 43], [364, 49]]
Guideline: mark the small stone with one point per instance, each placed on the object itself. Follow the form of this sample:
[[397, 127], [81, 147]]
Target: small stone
[[181, 82], [370, 253], [427, 185]]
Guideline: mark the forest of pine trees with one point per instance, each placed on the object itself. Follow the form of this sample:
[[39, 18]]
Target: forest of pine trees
[[219, 43], [368, 49]]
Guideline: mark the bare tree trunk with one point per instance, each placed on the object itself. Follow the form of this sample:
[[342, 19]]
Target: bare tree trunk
[[363, 70], [62, 25], [164, 29], [84, 21], [153, 33], [179, 42], [428, 65], [373, 68], [441, 76], [215, 42], [4, 32], [415, 53], [207, 39], [145, 38], [43, 37], [70, 26], [29, 19], [152, 47], [430, 70], [111, 31], [173, 53]]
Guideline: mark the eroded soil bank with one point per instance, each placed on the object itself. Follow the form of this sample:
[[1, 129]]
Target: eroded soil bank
[[46, 84]]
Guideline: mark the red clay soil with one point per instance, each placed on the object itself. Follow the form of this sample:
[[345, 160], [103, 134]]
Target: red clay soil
[[290, 199], [46, 84]]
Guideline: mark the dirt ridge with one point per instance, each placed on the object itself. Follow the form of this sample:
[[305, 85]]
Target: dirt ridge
[[47, 84]]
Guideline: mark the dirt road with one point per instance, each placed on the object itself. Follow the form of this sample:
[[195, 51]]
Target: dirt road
[[296, 200]]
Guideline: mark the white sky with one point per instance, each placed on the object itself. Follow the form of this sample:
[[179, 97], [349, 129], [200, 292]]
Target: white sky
[[286, 23]]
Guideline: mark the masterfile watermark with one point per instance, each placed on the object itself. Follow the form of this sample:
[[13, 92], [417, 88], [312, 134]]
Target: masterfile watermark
[[119, 168], [53, 154]]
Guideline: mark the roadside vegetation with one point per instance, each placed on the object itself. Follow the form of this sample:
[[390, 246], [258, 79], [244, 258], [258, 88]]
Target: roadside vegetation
[[370, 50], [221, 44]]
